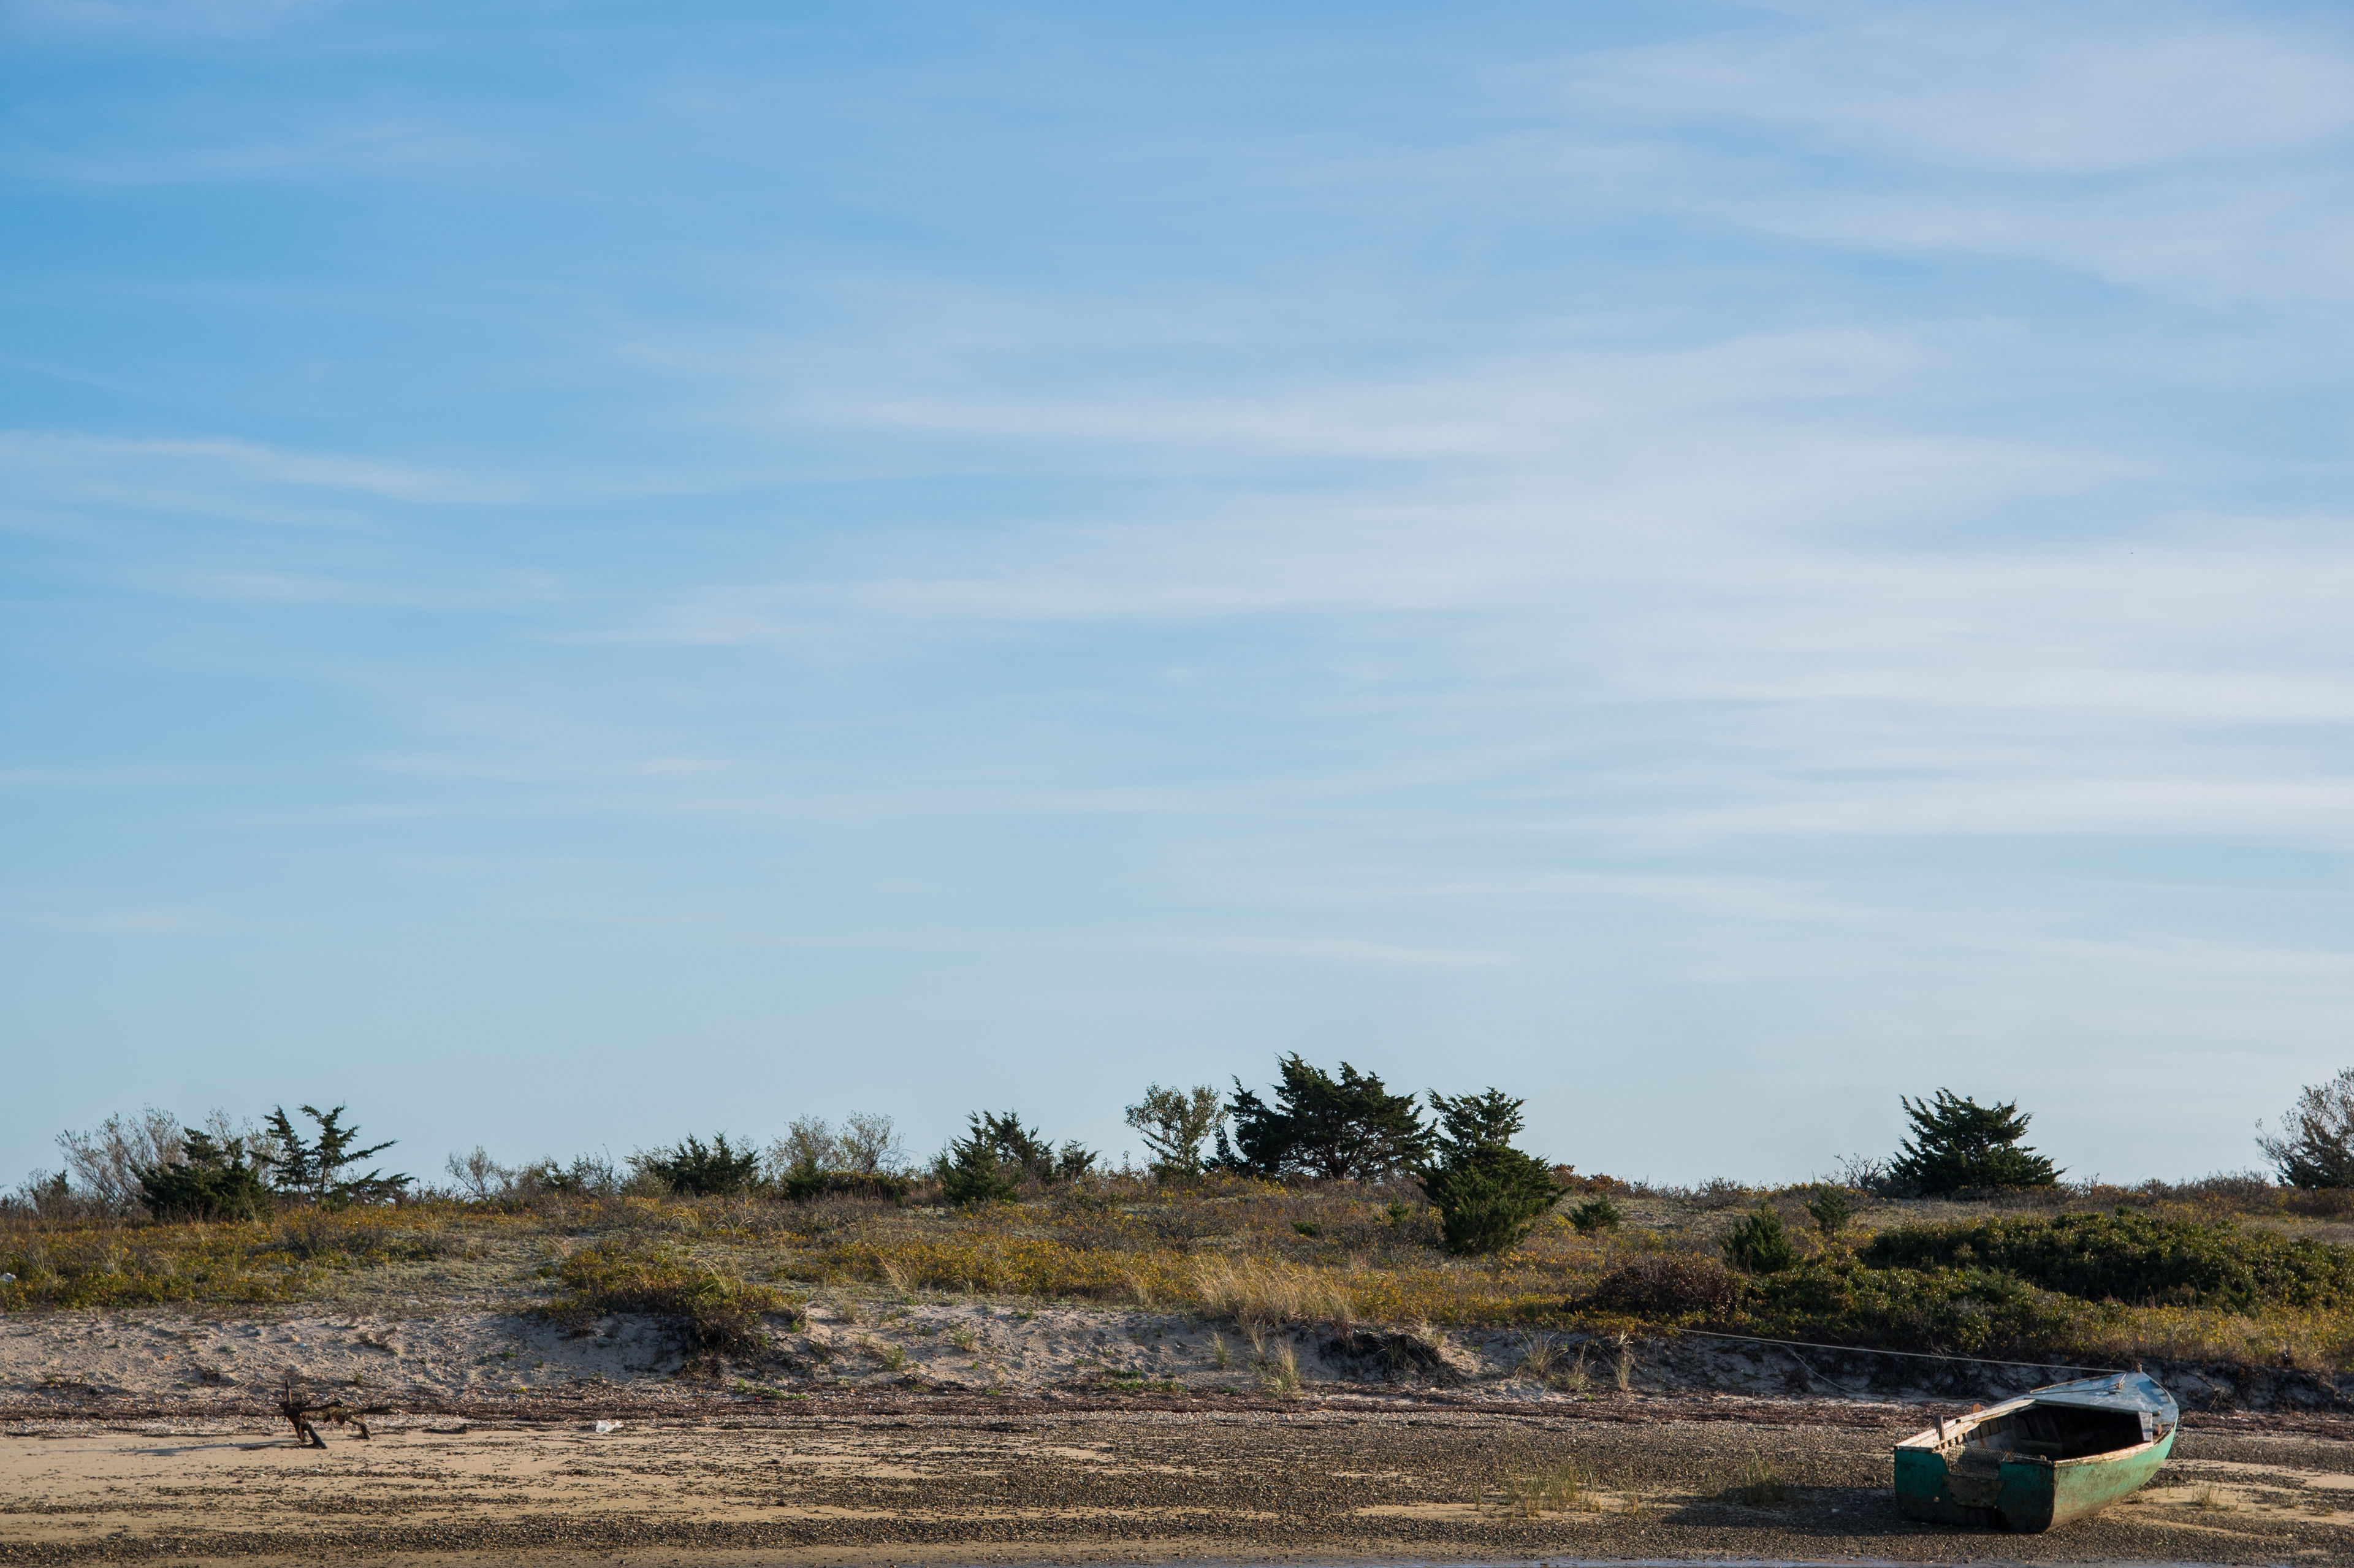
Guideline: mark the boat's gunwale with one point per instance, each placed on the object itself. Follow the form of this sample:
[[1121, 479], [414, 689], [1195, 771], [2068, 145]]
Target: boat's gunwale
[[2108, 1457], [1951, 1432]]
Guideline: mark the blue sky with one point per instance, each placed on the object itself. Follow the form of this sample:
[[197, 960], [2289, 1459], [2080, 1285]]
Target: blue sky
[[572, 573]]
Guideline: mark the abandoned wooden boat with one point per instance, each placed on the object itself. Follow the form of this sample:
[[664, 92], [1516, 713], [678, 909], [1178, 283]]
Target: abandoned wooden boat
[[2048, 1457]]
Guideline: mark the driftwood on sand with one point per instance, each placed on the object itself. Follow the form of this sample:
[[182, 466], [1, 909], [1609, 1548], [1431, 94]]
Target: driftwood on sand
[[294, 1404]]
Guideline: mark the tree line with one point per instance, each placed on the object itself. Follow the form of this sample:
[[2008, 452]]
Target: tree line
[[219, 1171], [1309, 1125]]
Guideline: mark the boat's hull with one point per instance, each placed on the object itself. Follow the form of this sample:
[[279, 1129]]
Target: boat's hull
[[2023, 1494]]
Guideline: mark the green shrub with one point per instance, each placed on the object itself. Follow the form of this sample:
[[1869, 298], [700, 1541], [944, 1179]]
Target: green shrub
[[965, 1184], [718, 1311], [211, 1181], [2135, 1258], [697, 1170], [50, 1195], [1668, 1284], [1760, 1244], [1491, 1201], [1596, 1213], [1831, 1208], [998, 1153], [587, 1173], [1969, 1310]]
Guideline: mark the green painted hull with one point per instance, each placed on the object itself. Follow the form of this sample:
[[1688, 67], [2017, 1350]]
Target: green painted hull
[[2025, 1493]]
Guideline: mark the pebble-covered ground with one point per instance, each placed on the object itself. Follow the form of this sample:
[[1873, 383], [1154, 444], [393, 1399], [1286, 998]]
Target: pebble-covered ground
[[1015, 1480]]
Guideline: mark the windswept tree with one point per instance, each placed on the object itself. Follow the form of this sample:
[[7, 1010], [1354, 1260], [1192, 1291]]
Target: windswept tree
[[2315, 1145], [315, 1169], [1960, 1146], [1488, 1194], [1175, 1124], [1336, 1129]]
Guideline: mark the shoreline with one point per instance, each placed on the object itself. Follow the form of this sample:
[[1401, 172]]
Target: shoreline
[[883, 1429], [1331, 1476], [728, 1412]]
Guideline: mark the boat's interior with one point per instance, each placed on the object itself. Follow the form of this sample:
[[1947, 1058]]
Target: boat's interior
[[2051, 1432]]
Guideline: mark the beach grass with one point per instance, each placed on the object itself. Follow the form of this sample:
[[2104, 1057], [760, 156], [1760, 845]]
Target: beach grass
[[1261, 1255]]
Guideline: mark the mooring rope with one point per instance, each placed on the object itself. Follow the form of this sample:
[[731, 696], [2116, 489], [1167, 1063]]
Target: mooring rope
[[1814, 1377], [1912, 1355]]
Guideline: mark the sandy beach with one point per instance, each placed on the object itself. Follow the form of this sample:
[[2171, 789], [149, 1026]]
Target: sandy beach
[[1112, 1436], [1022, 1481]]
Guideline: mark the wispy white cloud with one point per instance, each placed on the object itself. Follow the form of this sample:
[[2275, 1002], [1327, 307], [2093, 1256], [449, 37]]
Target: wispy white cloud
[[1351, 952], [343, 149], [2010, 90], [1833, 616], [2261, 235], [50, 470], [103, 922], [151, 20], [1597, 574], [132, 777], [445, 592], [2183, 152]]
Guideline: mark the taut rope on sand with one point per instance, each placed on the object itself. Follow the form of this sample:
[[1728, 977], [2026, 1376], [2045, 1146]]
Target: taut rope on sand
[[1794, 1346]]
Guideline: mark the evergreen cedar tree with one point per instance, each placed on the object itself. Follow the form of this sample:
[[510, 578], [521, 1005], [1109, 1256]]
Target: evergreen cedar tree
[[703, 1171], [1761, 1243], [997, 1153], [1349, 1128], [1960, 1146], [314, 1171], [1488, 1194], [222, 1180], [211, 1181]]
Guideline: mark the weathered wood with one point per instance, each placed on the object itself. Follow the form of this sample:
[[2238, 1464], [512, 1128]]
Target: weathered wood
[[2051, 1456]]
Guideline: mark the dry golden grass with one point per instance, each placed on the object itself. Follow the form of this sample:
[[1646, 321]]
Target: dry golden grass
[[1760, 1484], [1561, 1489], [1277, 1365], [1231, 1250], [114, 1264], [1259, 1293]]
